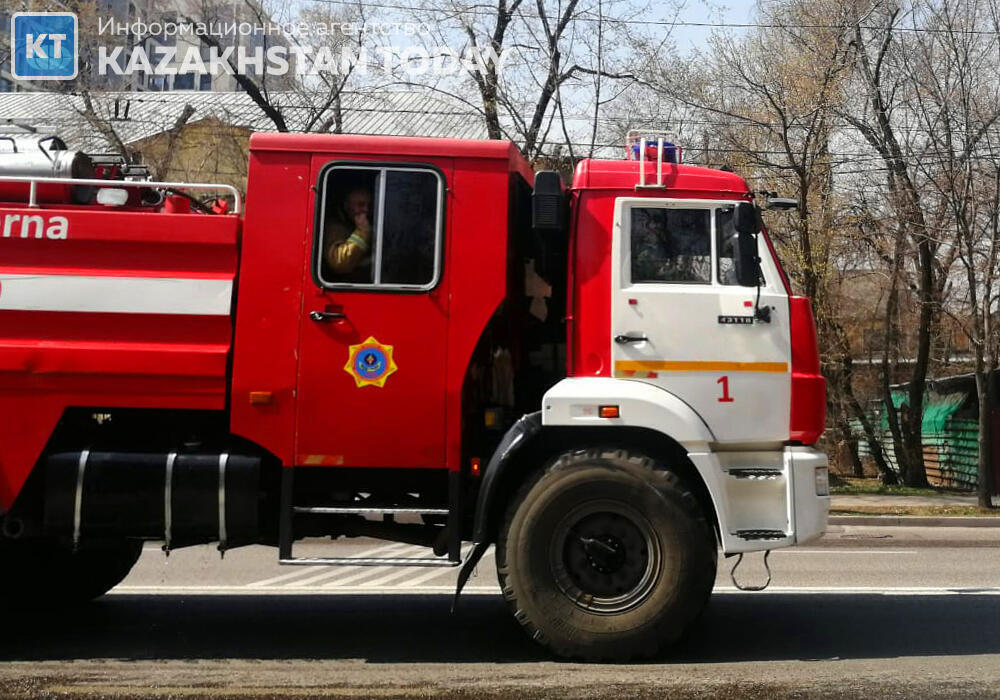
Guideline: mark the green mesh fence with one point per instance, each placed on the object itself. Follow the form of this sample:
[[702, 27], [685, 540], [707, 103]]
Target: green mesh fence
[[951, 443]]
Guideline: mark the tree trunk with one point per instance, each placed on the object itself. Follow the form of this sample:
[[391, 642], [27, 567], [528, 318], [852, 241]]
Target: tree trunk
[[891, 343], [840, 418], [887, 476], [915, 473]]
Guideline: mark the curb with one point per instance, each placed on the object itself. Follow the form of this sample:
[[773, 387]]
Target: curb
[[913, 521]]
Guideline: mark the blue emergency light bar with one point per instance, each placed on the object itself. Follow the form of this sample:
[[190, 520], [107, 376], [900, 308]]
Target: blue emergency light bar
[[669, 150]]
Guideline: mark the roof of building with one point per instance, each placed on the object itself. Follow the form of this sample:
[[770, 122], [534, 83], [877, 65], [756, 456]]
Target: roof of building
[[140, 115]]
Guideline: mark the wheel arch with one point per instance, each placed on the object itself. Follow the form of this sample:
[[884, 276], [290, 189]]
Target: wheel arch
[[529, 446]]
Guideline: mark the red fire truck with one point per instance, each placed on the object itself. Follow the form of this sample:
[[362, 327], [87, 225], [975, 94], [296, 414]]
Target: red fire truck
[[412, 339]]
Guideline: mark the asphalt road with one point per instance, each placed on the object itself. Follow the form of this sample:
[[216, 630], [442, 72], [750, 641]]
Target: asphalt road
[[867, 612]]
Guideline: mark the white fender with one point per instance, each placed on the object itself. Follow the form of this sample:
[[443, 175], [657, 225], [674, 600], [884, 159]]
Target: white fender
[[789, 503], [575, 401]]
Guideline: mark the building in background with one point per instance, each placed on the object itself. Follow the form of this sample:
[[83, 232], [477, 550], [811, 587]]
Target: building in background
[[949, 430], [211, 144]]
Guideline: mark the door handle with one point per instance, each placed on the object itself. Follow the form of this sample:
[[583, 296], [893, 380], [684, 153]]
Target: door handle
[[322, 316], [622, 339]]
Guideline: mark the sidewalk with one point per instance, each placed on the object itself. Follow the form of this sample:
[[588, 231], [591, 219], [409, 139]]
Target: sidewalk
[[944, 499], [839, 502]]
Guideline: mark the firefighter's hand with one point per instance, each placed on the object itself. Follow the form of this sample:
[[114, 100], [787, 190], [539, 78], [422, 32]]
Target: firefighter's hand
[[362, 224]]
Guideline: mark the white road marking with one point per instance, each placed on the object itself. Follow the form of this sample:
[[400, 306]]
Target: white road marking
[[408, 571], [824, 552], [363, 573], [870, 590], [426, 576], [346, 572], [382, 580], [434, 573], [397, 574], [495, 589], [285, 590], [310, 570]]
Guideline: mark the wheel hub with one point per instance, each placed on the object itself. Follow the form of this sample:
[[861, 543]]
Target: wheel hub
[[605, 557]]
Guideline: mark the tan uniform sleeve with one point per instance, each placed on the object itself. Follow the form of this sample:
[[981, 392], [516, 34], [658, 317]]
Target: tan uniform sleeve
[[344, 255]]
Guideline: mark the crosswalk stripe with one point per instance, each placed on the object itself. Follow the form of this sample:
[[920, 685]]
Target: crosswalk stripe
[[434, 573], [493, 589], [426, 576], [365, 572], [309, 571], [346, 570], [395, 550], [407, 571], [287, 591]]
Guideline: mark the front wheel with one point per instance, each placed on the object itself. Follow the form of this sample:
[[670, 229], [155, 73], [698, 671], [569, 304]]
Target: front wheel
[[606, 556]]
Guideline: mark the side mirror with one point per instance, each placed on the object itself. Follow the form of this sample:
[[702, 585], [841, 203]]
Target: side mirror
[[548, 202], [782, 203], [745, 219], [747, 226]]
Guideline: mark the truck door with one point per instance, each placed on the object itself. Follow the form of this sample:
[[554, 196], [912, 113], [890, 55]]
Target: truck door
[[681, 321], [371, 382]]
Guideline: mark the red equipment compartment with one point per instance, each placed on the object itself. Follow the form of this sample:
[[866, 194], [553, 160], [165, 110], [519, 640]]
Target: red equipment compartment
[[808, 385], [117, 309]]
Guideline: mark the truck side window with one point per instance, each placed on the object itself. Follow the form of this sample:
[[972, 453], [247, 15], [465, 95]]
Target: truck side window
[[410, 231], [671, 245], [725, 237], [726, 244], [348, 226], [380, 227]]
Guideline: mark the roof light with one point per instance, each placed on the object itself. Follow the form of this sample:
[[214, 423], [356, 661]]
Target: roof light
[[669, 150], [660, 146]]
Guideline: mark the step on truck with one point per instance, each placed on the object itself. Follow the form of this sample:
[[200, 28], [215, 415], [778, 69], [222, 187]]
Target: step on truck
[[411, 339]]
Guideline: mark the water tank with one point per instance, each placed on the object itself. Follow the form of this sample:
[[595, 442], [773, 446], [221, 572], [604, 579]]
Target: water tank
[[43, 156]]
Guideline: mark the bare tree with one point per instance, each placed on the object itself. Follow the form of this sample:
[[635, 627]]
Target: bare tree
[[316, 100], [767, 102], [556, 65], [955, 74]]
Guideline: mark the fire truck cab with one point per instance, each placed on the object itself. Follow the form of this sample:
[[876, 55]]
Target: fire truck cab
[[419, 340]]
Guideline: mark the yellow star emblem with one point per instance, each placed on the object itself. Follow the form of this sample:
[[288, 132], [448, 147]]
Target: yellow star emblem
[[370, 363]]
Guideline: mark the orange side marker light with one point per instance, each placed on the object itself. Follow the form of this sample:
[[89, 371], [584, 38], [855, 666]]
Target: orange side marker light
[[608, 412], [261, 398]]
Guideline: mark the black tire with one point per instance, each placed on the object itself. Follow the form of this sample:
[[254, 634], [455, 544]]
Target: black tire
[[606, 555], [46, 573]]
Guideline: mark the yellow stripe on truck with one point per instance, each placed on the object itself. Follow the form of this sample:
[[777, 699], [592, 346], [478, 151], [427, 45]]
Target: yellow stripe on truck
[[697, 366]]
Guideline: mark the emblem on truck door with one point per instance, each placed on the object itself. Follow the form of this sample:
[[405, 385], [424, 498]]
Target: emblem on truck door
[[370, 363]]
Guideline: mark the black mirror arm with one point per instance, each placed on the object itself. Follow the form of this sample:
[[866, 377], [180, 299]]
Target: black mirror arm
[[762, 314]]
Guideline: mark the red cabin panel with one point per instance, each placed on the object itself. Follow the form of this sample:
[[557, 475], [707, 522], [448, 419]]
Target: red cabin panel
[[276, 234], [306, 408]]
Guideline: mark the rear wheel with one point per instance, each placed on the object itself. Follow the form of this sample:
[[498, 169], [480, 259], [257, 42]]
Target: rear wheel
[[606, 555], [46, 572]]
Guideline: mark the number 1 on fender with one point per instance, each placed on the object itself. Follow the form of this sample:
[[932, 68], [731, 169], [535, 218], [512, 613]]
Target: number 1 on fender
[[725, 398]]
